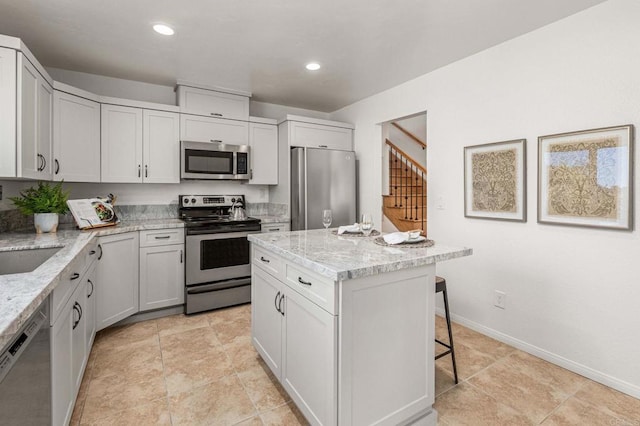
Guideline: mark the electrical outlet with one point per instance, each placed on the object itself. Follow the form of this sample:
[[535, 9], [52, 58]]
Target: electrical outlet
[[499, 299], [440, 203]]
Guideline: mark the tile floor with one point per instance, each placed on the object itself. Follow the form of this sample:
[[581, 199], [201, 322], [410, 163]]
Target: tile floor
[[202, 370]]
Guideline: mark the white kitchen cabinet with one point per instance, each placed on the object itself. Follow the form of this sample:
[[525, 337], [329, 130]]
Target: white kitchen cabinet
[[117, 278], [276, 227], [139, 145], [204, 129], [121, 144], [161, 276], [90, 282], [263, 139], [311, 135], [34, 109], [292, 333], [76, 138], [213, 103], [61, 366], [8, 84], [78, 337], [161, 146]]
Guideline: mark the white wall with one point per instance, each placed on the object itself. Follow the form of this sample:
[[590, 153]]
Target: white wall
[[572, 293]]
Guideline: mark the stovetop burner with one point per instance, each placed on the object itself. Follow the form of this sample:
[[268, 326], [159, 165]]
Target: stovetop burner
[[213, 211]]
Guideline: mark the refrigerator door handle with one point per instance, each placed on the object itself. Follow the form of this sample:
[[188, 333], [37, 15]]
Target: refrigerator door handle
[[298, 189]]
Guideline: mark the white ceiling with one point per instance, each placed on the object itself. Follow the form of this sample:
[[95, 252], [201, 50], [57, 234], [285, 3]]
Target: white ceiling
[[261, 46]]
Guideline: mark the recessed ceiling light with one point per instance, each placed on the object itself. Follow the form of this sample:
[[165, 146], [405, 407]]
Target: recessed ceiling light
[[163, 29], [313, 66]]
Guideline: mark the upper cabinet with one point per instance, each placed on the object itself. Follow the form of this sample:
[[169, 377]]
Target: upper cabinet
[[205, 129], [26, 101], [316, 133], [76, 138], [263, 140], [139, 145], [213, 103]]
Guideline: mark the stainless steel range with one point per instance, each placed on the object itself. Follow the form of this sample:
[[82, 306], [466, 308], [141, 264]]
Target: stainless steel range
[[217, 265]]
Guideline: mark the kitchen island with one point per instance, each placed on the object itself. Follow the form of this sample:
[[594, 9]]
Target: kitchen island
[[347, 325]]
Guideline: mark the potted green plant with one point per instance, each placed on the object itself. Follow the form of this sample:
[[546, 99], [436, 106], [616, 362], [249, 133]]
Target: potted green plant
[[45, 202]]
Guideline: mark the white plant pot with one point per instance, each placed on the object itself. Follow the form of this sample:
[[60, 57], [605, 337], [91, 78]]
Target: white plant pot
[[45, 222]]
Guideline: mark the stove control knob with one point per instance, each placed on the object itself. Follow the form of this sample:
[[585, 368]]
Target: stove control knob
[[193, 200], [186, 201], [233, 200]]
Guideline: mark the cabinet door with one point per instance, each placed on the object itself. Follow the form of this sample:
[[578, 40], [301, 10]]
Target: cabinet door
[[8, 82], [76, 138], [213, 103], [310, 371], [121, 144], [90, 306], [205, 129], [45, 128], [266, 319], [78, 337], [61, 350], [263, 139], [320, 136], [161, 276], [161, 146], [117, 278], [29, 162]]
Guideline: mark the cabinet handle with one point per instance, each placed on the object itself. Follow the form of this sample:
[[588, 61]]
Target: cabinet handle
[[216, 114], [265, 260], [40, 162], [146, 170], [323, 146], [57, 165], [139, 170], [44, 162], [90, 294], [251, 174], [78, 309], [180, 256], [75, 276], [100, 255], [280, 306], [166, 237], [275, 302], [274, 229], [301, 281], [216, 140]]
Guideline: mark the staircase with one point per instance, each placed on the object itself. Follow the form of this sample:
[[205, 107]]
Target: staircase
[[406, 204]]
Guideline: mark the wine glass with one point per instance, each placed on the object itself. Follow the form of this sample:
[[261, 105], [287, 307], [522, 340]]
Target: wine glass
[[326, 218], [366, 224]]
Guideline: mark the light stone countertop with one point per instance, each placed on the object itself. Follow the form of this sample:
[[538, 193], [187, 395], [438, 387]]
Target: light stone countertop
[[344, 258], [22, 294]]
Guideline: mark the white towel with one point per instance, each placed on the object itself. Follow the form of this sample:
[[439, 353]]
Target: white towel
[[400, 237], [349, 228]]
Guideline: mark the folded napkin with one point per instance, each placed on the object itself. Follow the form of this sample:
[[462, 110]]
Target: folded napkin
[[349, 228], [400, 237]]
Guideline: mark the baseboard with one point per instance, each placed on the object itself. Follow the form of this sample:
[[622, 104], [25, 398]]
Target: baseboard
[[558, 360], [158, 313]]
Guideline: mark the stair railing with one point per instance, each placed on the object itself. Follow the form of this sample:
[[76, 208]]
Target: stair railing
[[408, 184]]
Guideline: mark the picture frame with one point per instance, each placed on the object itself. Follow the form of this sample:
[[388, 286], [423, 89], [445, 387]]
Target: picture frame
[[495, 181], [585, 178]]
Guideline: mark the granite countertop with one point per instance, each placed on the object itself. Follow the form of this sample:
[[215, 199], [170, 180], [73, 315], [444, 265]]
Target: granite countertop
[[264, 218], [343, 258], [22, 294]]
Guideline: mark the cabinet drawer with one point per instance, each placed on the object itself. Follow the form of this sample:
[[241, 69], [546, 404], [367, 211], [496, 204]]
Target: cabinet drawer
[[205, 129], [69, 279], [320, 136], [319, 290], [267, 261], [213, 103], [275, 227], [161, 237]]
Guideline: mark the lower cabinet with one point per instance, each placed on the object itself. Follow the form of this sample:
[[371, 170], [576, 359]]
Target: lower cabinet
[[90, 284], [275, 227], [161, 276], [117, 277], [291, 333]]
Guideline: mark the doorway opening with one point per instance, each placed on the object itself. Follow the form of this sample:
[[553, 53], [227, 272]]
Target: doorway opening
[[404, 183]]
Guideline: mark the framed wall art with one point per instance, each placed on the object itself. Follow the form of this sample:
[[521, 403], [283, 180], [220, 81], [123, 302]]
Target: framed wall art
[[585, 178], [495, 181]]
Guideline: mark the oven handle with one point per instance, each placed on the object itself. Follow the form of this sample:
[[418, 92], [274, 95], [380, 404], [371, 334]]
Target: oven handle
[[207, 235], [207, 288]]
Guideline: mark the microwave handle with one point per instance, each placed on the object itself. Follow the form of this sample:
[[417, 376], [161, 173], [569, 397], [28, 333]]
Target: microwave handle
[[235, 163]]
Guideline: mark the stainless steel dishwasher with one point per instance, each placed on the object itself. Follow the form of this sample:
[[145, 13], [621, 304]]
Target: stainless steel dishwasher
[[25, 373]]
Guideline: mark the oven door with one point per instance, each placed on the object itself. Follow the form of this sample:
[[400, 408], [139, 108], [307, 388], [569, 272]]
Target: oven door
[[217, 257]]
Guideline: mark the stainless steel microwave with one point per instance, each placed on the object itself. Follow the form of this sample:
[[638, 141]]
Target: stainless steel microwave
[[214, 160]]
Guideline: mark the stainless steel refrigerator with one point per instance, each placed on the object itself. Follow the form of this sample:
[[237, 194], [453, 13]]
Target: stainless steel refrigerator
[[322, 179]]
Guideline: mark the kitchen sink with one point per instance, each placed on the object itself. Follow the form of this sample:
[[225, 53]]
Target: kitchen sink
[[20, 261]]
